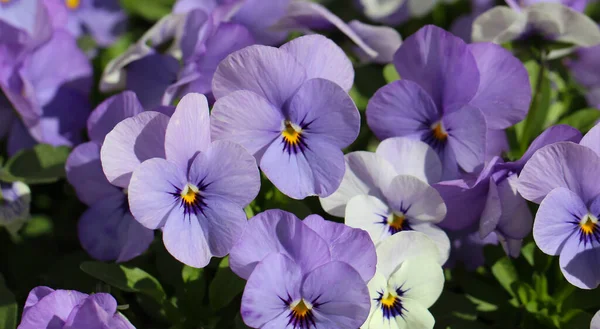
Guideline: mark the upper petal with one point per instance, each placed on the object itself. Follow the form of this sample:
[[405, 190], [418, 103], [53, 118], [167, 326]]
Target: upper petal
[[110, 112], [398, 248], [591, 139], [422, 279], [499, 24], [322, 58], [412, 157], [441, 64], [188, 131], [131, 142], [51, 310], [383, 39], [269, 72], [562, 164], [419, 201]]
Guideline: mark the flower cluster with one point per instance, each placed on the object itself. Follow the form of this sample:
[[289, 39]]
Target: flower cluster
[[225, 112]]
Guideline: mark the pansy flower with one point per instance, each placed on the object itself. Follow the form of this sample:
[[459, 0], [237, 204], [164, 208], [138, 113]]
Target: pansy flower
[[14, 205], [30, 16], [490, 202], [450, 94], [181, 182], [395, 12], [409, 280], [47, 308], [596, 321], [107, 230], [561, 21], [49, 89], [585, 69], [290, 108], [309, 243], [562, 178], [384, 194]]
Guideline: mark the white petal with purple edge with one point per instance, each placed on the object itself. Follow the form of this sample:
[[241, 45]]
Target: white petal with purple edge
[[416, 199], [393, 251], [412, 157]]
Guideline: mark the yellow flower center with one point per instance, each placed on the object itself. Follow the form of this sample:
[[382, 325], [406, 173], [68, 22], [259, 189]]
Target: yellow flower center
[[439, 132], [300, 310], [397, 221], [72, 4], [189, 194], [588, 224], [291, 134], [388, 301]]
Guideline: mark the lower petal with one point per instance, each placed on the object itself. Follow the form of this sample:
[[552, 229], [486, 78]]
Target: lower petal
[[370, 214], [420, 279], [467, 136], [438, 236], [415, 317], [223, 223], [576, 263], [186, 240]]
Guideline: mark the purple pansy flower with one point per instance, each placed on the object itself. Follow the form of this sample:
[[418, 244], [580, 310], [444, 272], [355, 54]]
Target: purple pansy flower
[[30, 16], [384, 194], [49, 89], [279, 294], [107, 230], [290, 108], [450, 94], [103, 20], [409, 280], [309, 243], [47, 308], [490, 202], [562, 178], [181, 182], [560, 21]]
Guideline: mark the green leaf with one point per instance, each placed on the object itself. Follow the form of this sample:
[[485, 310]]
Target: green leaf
[[390, 74], [41, 164], [359, 99], [540, 106], [8, 307], [149, 10], [225, 286], [126, 278], [583, 120], [506, 274]]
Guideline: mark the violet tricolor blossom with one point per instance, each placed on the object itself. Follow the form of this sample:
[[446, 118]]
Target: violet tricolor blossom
[[490, 203], [563, 178], [279, 294], [560, 21], [107, 230], [309, 243], [385, 193], [47, 308], [409, 280], [290, 108], [188, 186], [450, 94]]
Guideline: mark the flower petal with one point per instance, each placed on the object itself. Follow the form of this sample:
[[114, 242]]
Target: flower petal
[[441, 64], [365, 173], [323, 109], [421, 279], [398, 248], [131, 142], [346, 244], [269, 72], [401, 108], [499, 24], [150, 76], [562, 164], [188, 131], [370, 214], [466, 136], [504, 90], [419, 201], [438, 236], [150, 192], [575, 260], [186, 240], [383, 39], [52, 310], [561, 23], [322, 58], [591, 139], [412, 157]]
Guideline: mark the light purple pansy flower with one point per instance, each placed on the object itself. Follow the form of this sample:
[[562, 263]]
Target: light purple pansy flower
[[395, 12], [560, 21], [309, 243], [103, 20], [562, 177], [279, 294], [388, 191], [490, 202], [107, 230], [49, 89], [450, 94], [290, 108], [181, 182], [30, 16], [596, 321], [47, 308]]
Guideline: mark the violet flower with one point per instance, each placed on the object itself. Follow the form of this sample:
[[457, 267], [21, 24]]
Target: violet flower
[[450, 94], [585, 67], [47, 308], [180, 181], [107, 230], [384, 194], [309, 243], [290, 108]]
